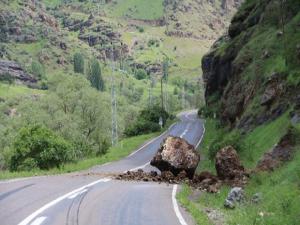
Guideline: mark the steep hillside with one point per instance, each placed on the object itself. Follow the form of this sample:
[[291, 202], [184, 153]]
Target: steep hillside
[[205, 20], [252, 81], [252, 75]]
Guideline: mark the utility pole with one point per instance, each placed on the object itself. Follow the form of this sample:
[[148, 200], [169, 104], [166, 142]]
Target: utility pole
[[183, 96], [114, 122]]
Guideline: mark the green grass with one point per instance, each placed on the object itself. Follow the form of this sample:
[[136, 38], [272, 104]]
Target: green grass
[[280, 198], [10, 91], [280, 189], [262, 139], [139, 9], [211, 132], [195, 210], [124, 148]]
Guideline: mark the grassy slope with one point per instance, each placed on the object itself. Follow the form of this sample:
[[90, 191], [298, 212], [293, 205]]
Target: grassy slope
[[280, 189], [139, 9], [124, 148]]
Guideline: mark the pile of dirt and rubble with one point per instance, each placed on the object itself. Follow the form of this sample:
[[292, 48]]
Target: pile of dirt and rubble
[[177, 160]]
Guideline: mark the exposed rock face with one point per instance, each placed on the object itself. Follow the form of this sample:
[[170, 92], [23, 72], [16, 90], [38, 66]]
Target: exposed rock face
[[228, 164], [14, 70], [282, 152], [176, 155], [237, 83]]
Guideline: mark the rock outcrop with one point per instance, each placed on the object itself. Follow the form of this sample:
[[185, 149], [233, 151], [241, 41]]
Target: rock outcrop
[[281, 153], [15, 72], [241, 85], [176, 155]]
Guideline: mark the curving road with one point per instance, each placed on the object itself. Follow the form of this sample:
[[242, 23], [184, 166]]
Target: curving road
[[91, 197]]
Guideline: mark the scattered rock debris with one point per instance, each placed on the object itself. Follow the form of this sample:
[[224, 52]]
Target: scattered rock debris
[[177, 160]]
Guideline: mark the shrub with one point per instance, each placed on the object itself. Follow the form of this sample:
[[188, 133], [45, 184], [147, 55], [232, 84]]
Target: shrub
[[95, 75], [39, 147], [233, 139], [140, 74], [7, 78], [78, 63], [37, 69], [147, 121], [141, 29]]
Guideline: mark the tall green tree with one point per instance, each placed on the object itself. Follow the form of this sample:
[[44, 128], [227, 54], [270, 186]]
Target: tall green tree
[[95, 76], [78, 63]]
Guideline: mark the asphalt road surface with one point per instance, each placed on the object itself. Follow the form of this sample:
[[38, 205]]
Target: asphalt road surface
[[91, 197]]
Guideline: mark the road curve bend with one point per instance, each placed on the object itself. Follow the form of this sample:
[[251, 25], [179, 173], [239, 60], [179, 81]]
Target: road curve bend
[[96, 199]]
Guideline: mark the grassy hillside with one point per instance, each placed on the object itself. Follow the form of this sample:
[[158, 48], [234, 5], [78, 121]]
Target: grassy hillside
[[138, 9], [252, 95]]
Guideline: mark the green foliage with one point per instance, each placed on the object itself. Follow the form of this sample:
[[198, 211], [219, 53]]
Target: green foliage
[[39, 147], [141, 29], [95, 76], [233, 138], [37, 69], [147, 121], [140, 74], [6, 78], [78, 63]]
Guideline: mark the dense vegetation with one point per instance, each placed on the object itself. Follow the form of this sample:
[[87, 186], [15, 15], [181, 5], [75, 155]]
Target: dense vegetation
[[71, 56]]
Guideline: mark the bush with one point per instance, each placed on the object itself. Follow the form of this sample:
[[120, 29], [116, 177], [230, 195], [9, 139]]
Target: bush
[[39, 147], [140, 74], [141, 127], [233, 139], [7, 78], [37, 70], [78, 63], [147, 121]]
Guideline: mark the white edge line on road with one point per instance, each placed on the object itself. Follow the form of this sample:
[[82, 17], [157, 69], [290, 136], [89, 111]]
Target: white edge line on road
[[175, 206], [28, 219], [139, 167], [151, 141], [77, 194], [201, 135], [39, 220]]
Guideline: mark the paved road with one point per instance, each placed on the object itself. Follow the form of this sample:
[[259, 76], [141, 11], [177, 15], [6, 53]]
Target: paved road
[[81, 199]]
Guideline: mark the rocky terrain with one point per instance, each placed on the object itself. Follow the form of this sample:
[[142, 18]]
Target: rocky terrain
[[251, 75]]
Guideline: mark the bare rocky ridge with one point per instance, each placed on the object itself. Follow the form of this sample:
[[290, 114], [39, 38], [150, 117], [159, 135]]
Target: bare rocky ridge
[[15, 72]]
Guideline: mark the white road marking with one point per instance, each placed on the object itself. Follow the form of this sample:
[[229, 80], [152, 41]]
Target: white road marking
[[39, 220], [185, 131], [197, 145], [77, 194], [175, 206], [28, 219]]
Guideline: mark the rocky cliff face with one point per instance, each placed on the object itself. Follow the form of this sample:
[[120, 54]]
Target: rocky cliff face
[[252, 75]]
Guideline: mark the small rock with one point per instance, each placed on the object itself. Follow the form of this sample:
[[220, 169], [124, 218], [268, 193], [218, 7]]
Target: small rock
[[256, 198], [236, 195], [229, 204]]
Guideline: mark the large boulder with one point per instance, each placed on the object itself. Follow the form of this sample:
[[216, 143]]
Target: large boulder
[[176, 155], [228, 165]]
